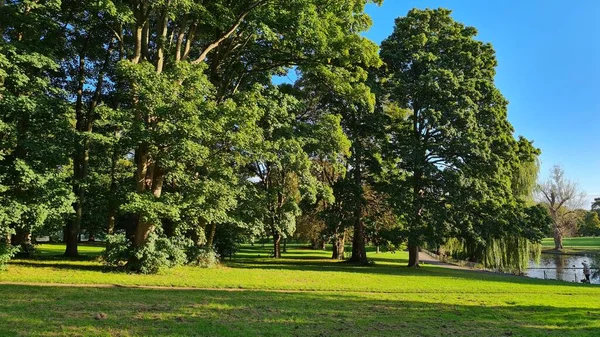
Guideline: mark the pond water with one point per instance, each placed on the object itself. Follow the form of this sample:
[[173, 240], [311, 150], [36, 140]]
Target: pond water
[[564, 267]]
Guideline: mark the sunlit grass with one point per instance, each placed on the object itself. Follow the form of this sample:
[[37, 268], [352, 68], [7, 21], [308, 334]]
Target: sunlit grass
[[321, 297], [575, 245]]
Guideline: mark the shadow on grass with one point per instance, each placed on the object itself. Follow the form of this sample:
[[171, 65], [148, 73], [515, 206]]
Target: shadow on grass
[[40, 311], [392, 267], [66, 266]]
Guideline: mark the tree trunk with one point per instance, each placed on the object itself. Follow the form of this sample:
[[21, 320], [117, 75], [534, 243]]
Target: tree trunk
[[149, 177], [142, 231], [22, 239], [74, 226], [413, 255], [211, 235], [557, 239], [112, 203], [359, 253], [338, 247], [112, 219], [276, 245]]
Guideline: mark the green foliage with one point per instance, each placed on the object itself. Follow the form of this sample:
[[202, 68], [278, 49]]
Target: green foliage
[[161, 120], [117, 250], [157, 254], [453, 166], [7, 251], [228, 238], [34, 123], [589, 225], [206, 258]]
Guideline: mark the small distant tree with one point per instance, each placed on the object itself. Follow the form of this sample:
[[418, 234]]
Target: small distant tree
[[562, 197]]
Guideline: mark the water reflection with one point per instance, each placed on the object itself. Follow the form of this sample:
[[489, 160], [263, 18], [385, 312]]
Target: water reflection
[[564, 267]]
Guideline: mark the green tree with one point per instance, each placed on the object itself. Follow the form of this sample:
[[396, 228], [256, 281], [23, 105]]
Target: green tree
[[34, 123], [589, 225], [451, 143]]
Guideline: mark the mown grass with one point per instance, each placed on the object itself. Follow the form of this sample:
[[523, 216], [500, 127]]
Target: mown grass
[[577, 245], [303, 294]]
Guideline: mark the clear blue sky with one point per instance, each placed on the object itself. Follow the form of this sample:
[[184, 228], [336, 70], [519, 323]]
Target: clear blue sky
[[549, 69]]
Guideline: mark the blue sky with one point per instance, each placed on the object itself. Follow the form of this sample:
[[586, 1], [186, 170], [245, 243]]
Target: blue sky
[[549, 69]]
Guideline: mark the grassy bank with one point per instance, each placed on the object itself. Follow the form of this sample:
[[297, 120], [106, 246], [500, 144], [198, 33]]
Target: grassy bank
[[577, 245], [319, 297]]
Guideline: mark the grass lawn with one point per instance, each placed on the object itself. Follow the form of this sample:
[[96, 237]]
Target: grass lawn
[[303, 294], [574, 245]]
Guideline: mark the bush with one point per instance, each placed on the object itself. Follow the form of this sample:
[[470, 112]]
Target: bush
[[202, 256], [158, 254], [6, 251], [117, 250]]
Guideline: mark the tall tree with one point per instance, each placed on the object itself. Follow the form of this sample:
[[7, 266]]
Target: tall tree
[[34, 123], [90, 53], [450, 139], [562, 197]]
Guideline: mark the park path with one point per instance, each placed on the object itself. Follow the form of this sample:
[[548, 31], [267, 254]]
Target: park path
[[428, 259]]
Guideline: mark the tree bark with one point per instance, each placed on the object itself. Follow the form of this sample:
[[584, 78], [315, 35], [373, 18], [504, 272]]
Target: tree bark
[[211, 235], [359, 253], [413, 255], [142, 231], [338, 247], [558, 239], [277, 245]]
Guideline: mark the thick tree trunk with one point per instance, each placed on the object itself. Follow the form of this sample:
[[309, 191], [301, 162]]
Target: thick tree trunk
[[149, 176], [413, 255], [338, 247], [558, 239], [72, 232], [276, 245], [142, 231]]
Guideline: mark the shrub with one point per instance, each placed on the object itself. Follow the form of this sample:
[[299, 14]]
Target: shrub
[[6, 253], [203, 257], [158, 254], [117, 250]]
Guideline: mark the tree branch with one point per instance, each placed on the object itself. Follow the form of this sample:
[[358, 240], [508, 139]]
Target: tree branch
[[228, 33]]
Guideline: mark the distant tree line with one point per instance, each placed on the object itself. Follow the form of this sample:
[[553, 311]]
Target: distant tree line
[[160, 127]]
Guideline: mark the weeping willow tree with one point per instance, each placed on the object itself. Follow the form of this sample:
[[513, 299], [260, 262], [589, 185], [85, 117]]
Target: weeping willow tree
[[525, 172], [505, 254], [507, 237]]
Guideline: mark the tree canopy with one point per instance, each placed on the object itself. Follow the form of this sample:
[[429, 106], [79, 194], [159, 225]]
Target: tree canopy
[[159, 127]]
